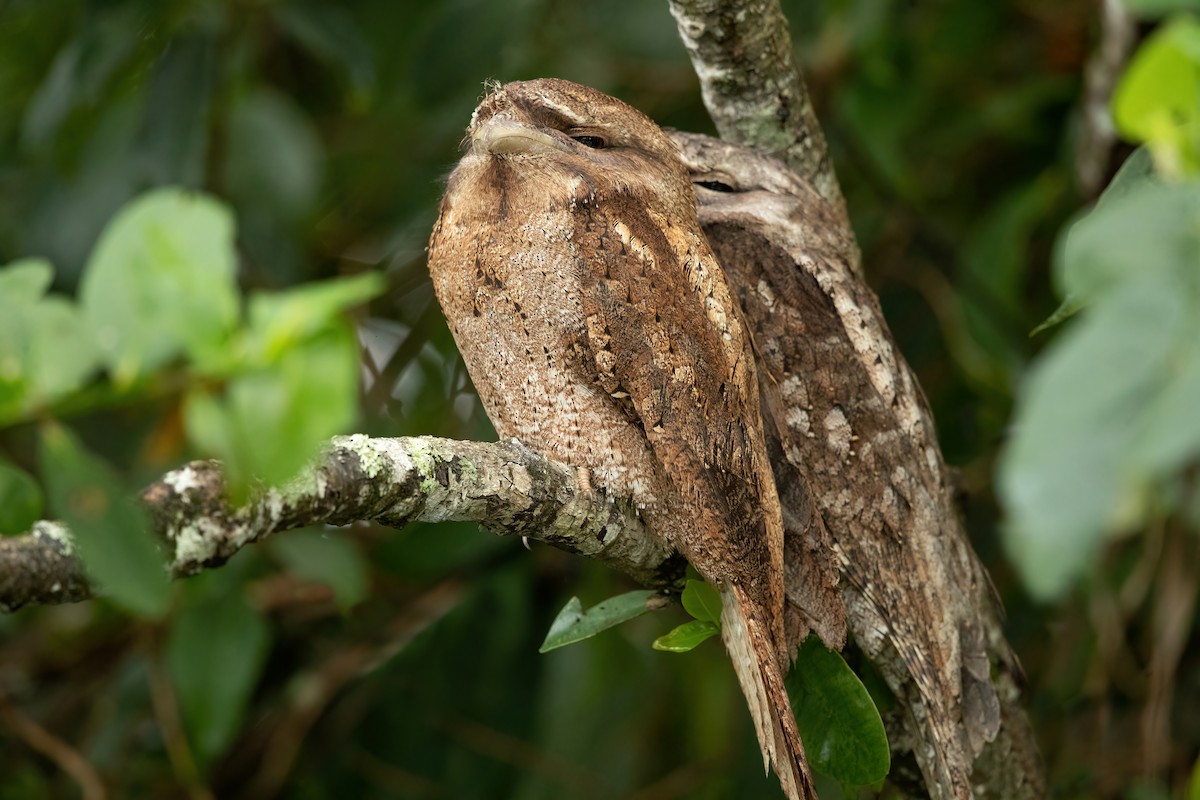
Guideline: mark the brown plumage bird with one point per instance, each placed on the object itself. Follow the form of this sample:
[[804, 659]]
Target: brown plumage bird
[[599, 330], [855, 433]]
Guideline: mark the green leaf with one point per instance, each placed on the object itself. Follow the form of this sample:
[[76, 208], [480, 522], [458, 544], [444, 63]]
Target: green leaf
[[839, 724], [299, 388], [110, 529], [1156, 101], [573, 624], [702, 601], [1066, 478], [160, 282], [1070, 306], [1072, 265], [1135, 172], [215, 654], [1193, 791], [1107, 414], [1142, 233], [25, 280], [328, 557], [272, 420], [46, 348], [1170, 436], [687, 636], [279, 320], [20, 499]]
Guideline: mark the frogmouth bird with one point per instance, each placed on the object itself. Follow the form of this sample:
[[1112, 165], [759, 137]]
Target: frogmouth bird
[[599, 330], [851, 435]]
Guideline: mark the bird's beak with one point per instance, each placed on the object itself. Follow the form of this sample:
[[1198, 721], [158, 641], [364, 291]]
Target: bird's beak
[[503, 136]]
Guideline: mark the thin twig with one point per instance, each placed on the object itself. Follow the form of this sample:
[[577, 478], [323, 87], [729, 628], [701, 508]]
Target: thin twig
[[68, 759], [1097, 133]]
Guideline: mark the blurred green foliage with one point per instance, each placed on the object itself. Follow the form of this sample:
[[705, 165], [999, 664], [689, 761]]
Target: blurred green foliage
[[370, 663]]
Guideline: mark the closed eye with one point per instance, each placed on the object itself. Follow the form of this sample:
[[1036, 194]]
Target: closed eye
[[594, 142]]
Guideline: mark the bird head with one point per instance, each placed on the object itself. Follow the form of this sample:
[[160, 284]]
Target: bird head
[[564, 137]]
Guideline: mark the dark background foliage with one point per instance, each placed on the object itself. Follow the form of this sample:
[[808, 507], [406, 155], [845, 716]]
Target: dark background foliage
[[328, 127]]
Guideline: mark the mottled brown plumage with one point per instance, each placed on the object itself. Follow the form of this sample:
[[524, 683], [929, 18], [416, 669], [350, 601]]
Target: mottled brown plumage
[[598, 329], [854, 434]]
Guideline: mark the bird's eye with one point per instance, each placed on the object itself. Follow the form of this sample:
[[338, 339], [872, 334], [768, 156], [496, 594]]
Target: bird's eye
[[715, 186], [594, 142]]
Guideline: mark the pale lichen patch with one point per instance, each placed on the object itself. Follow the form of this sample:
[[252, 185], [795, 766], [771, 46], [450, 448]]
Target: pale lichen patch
[[838, 434], [58, 533], [183, 480], [419, 457], [275, 503], [797, 420], [196, 543], [369, 457]]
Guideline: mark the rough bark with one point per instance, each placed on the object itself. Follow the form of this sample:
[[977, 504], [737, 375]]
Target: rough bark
[[742, 53], [507, 488], [1097, 134]]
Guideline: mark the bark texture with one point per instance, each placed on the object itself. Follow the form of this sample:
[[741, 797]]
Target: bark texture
[[742, 53], [504, 486]]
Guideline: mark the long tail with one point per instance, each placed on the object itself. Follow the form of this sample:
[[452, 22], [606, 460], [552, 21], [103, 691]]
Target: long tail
[[748, 639]]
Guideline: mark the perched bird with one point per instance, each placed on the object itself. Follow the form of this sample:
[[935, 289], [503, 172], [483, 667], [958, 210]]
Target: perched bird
[[852, 429], [599, 329]]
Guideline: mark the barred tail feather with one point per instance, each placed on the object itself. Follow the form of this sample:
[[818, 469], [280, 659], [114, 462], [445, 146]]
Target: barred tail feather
[[748, 639]]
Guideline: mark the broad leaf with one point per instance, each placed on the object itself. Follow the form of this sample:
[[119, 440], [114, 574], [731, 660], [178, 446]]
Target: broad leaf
[[46, 348], [215, 654], [1069, 477], [1108, 411], [573, 624], [279, 320], [1156, 99], [160, 282], [1072, 272], [687, 636], [702, 601], [839, 724], [1146, 231]]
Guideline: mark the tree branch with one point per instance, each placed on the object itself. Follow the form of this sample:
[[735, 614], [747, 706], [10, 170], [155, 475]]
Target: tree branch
[[1097, 135], [504, 486], [742, 53]]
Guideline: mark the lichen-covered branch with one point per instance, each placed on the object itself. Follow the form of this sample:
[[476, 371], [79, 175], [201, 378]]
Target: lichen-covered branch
[[742, 53], [505, 487]]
